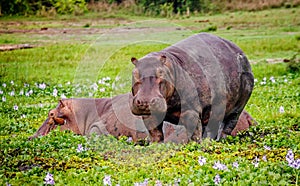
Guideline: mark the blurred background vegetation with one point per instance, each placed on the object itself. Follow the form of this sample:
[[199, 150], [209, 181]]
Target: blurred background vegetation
[[164, 8]]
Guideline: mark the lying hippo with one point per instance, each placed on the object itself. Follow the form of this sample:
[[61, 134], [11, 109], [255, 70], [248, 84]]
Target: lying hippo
[[112, 116], [85, 116], [202, 83]]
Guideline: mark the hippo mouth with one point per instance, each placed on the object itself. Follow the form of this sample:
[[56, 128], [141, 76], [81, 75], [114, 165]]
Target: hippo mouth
[[157, 106], [141, 112], [52, 123]]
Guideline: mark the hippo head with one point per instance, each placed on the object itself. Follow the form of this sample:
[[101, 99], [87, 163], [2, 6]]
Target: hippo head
[[151, 85], [62, 115]]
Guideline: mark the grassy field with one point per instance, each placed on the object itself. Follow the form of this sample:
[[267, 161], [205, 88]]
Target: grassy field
[[75, 54]]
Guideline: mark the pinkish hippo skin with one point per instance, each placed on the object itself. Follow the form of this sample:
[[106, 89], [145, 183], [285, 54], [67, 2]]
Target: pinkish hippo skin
[[174, 133], [85, 116], [244, 122]]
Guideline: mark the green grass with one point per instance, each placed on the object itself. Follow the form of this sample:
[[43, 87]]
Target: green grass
[[65, 61]]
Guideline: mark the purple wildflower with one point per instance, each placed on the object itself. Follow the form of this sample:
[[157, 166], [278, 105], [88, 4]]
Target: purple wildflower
[[12, 93], [106, 180], [3, 98], [16, 107], [145, 183], [63, 96], [8, 184], [55, 92], [235, 164], [264, 158], [49, 180], [158, 183], [263, 83], [291, 161], [80, 148], [29, 93], [42, 86], [272, 79], [295, 164], [267, 147], [217, 179], [255, 162], [289, 156], [219, 166], [1, 92], [102, 89], [107, 78], [4, 85], [129, 139], [281, 109], [201, 160], [94, 87]]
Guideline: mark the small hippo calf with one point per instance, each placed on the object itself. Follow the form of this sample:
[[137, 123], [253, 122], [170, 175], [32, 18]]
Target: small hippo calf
[[85, 116]]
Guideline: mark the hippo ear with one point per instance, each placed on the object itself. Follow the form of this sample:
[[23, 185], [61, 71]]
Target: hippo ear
[[134, 60], [61, 105], [163, 59]]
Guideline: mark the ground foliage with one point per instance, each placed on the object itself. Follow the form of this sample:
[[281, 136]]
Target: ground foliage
[[33, 80]]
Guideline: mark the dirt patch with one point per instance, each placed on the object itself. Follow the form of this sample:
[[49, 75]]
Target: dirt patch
[[15, 47]]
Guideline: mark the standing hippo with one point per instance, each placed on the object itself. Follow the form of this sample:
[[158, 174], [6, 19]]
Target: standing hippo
[[202, 83]]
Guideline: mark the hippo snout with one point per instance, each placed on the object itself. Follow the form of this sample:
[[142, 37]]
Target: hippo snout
[[143, 106]]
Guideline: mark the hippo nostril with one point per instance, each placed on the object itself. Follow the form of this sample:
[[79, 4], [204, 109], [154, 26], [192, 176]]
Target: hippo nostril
[[153, 101]]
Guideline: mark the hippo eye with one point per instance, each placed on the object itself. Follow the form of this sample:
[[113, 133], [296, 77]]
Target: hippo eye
[[159, 73], [135, 88], [136, 75]]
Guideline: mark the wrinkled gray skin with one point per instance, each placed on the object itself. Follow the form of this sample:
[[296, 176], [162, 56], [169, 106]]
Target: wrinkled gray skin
[[202, 83], [85, 116]]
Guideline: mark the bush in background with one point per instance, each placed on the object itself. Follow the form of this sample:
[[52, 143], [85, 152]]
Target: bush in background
[[294, 64], [165, 8], [40, 7]]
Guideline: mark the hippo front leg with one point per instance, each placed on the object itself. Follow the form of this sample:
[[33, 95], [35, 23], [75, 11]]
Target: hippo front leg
[[190, 119], [154, 127]]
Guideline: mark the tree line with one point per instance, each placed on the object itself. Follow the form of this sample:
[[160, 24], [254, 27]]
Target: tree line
[[150, 7]]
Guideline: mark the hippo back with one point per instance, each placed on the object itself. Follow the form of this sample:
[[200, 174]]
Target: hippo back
[[218, 71]]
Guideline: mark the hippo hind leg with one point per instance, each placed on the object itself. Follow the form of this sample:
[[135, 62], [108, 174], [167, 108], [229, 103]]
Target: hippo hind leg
[[247, 83], [230, 122]]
